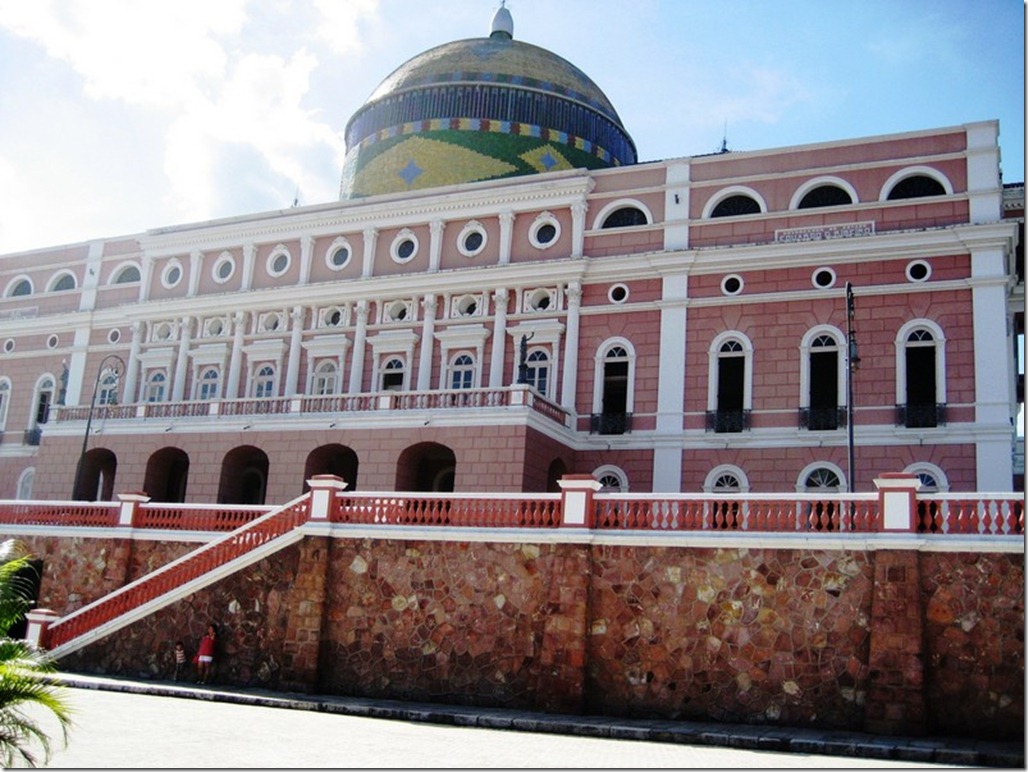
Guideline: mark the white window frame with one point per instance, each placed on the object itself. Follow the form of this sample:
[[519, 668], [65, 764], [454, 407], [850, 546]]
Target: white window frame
[[713, 363], [939, 341], [598, 361], [807, 347]]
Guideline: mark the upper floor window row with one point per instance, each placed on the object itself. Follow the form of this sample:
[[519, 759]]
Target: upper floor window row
[[22, 286], [918, 182]]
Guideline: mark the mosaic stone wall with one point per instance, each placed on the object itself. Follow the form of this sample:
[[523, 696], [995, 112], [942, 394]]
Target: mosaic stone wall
[[895, 641]]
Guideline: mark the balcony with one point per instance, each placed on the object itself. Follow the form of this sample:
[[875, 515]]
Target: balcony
[[920, 416], [610, 423], [728, 421], [305, 405], [819, 419]]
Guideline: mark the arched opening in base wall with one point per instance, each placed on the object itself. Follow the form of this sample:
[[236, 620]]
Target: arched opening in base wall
[[244, 476], [332, 459], [96, 476], [556, 470], [166, 474], [427, 467]]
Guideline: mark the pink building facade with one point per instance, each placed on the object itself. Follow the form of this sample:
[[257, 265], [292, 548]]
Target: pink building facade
[[691, 324]]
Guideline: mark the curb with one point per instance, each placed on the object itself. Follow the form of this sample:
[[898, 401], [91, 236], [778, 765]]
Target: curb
[[963, 752]]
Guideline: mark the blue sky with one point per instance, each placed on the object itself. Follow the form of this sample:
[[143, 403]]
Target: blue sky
[[120, 115]]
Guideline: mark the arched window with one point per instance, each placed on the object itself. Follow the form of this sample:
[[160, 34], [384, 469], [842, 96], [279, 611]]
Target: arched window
[[393, 374], [824, 478], [920, 376], [25, 481], [326, 379], [5, 401], [823, 370], [108, 393], [825, 195], [128, 274], [462, 372], [916, 186], [19, 288], [63, 283], [209, 383], [537, 373], [612, 478], [264, 382], [613, 396], [156, 384], [734, 206], [44, 399], [730, 383], [625, 217]]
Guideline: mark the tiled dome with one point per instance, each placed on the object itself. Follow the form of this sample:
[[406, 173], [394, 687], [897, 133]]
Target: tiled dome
[[480, 109]]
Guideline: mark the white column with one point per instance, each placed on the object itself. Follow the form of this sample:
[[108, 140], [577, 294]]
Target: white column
[[306, 254], [667, 455], [195, 266], [144, 279], [359, 337], [506, 236], [994, 370], [428, 305], [569, 381], [178, 388], [249, 257], [578, 211], [132, 366], [236, 358], [435, 248], [293, 366], [499, 354], [370, 239]]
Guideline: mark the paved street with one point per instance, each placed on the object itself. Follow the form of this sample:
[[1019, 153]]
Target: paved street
[[124, 730]]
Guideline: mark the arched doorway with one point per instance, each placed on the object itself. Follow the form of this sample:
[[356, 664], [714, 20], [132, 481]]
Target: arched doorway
[[427, 467], [557, 470], [166, 475], [244, 476], [332, 459], [95, 479]]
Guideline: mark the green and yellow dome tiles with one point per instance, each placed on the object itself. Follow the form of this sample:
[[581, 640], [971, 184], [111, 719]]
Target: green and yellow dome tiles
[[480, 109]]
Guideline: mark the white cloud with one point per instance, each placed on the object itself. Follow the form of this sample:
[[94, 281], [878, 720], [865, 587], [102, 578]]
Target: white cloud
[[340, 25], [148, 54]]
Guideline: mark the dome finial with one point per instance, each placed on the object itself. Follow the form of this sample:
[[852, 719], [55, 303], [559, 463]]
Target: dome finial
[[503, 23]]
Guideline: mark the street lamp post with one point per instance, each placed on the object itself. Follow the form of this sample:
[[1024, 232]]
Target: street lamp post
[[852, 364], [115, 366]]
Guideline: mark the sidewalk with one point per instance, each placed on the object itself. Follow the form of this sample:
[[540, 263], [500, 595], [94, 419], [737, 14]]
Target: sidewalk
[[962, 752]]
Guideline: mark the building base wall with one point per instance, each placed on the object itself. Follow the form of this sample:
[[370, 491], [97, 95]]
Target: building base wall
[[889, 641]]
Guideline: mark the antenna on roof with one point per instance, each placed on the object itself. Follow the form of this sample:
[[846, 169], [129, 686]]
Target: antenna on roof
[[724, 140], [296, 197]]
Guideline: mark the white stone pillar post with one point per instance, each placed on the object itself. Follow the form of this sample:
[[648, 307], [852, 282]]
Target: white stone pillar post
[[428, 305], [569, 381], [506, 236], [370, 239], [435, 247], [359, 337], [236, 357], [295, 338], [178, 388], [499, 352]]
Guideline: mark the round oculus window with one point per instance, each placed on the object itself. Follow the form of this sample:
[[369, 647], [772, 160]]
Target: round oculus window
[[618, 293], [339, 257], [823, 278], [114, 335], [732, 285], [918, 271]]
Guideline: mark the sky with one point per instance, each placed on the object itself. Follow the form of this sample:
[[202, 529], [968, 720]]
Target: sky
[[118, 116]]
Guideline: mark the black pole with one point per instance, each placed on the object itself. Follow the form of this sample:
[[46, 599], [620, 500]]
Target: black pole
[[76, 490], [852, 363]]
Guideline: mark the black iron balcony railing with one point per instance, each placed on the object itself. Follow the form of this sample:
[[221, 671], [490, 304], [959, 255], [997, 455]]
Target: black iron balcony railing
[[610, 423], [32, 436], [726, 421], [921, 416], [818, 419]]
